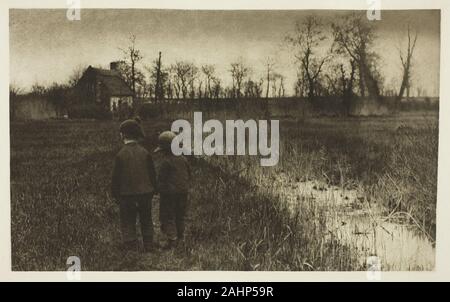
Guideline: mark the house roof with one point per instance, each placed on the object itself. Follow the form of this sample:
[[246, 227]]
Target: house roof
[[111, 79]]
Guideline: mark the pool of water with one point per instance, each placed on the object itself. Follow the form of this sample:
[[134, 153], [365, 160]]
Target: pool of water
[[362, 226]]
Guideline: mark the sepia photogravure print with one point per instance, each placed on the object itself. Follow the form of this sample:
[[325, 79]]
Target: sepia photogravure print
[[223, 140]]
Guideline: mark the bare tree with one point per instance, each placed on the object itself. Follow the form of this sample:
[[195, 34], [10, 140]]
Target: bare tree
[[159, 93], [341, 79], [76, 75], [392, 87], [278, 89], [180, 71], [299, 86], [419, 91], [217, 89], [354, 36], [208, 71], [129, 70], [192, 77], [14, 90], [406, 59], [269, 65], [200, 93], [347, 81], [238, 72], [174, 81], [149, 89], [253, 89], [169, 87], [38, 89], [184, 74], [306, 40], [159, 77], [258, 88]]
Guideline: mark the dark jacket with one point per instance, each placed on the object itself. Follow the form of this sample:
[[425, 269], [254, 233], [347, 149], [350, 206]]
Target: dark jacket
[[134, 171], [174, 174]]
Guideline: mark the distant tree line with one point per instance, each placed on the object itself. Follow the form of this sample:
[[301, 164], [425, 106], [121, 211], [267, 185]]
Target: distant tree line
[[332, 59]]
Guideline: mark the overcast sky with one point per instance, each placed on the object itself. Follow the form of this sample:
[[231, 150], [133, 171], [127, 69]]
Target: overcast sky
[[45, 47]]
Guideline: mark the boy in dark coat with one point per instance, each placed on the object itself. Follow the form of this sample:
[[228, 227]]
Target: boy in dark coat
[[173, 184], [133, 186]]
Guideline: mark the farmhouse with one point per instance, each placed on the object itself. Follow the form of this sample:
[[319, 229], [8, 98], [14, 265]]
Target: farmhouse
[[105, 87]]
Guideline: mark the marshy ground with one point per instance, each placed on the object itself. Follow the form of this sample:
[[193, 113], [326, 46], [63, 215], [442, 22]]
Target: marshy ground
[[344, 188]]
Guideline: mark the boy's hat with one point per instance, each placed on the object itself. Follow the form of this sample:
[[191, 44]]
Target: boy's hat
[[131, 129], [165, 140]]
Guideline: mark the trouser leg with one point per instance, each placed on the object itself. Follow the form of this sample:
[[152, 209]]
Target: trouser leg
[[180, 214], [128, 215], [167, 215], [145, 217]]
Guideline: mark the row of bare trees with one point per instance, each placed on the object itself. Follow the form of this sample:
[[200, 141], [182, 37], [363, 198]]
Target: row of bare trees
[[335, 58], [184, 80], [343, 63]]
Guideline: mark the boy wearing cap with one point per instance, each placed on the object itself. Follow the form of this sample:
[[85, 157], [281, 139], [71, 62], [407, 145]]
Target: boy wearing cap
[[173, 184], [133, 186]]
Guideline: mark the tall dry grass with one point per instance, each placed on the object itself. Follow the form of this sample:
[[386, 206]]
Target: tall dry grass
[[60, 204], [60, 207]]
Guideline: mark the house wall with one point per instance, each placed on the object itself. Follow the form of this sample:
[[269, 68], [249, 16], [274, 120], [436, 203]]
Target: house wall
[[114, 100], [90, 89], [86, 88]]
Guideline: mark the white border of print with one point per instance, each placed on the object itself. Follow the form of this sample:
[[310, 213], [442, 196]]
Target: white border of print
[[442, 271]]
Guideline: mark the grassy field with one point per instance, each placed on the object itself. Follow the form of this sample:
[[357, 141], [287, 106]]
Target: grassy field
[[60, 203]]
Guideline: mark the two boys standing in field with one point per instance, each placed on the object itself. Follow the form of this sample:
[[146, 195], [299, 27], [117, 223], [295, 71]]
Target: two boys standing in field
[[134, 183]]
